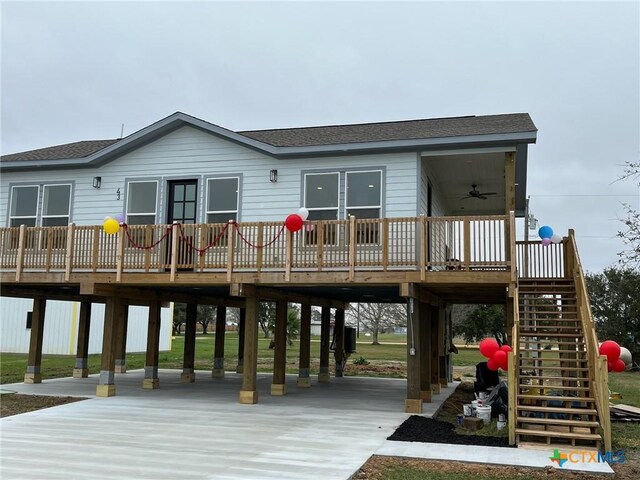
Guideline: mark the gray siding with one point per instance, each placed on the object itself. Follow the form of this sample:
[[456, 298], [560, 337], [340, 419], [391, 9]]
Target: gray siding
[[191, 153]]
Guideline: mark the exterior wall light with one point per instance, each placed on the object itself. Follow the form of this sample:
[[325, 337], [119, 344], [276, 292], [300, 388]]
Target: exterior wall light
[[97, 182], [273, 176]]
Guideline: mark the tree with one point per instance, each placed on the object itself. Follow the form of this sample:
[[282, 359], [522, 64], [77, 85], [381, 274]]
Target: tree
[[377, 317], [204, 316], [266, 315], [179, 316], [615, 306], [293, 325], [631, 234], [474, 323]]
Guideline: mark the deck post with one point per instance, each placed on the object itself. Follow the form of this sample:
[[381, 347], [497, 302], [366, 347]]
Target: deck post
[[305, 346], [34, 360], [106, 386], [121, 342], [339, 354], [325, 332], [510, 201], [81, 368], [442, 346], [435, 339], [424, 349], [510, 315], [153, 346], [241, 325], [188, 363], [218, 354], [249, 391], [413, 402], [280, 349]]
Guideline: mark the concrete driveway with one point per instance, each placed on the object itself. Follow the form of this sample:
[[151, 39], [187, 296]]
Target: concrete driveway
[[200, 431]]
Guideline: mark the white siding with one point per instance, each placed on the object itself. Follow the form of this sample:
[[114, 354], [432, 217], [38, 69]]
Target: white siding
[[61, 327], [191, 153]]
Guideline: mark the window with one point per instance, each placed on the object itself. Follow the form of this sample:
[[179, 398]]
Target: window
[[24, 206], [222, 199], [364, 200], [56, 203], [142, 203], [321, 198], [222, 206]]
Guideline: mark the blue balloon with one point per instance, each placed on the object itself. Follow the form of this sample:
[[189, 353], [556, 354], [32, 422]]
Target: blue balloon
[[545, 232]]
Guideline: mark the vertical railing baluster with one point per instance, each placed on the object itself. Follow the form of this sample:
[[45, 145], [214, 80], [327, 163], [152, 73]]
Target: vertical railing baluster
[[69, 255]]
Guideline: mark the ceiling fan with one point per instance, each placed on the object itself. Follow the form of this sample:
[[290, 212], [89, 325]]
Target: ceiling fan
[[475, 193]]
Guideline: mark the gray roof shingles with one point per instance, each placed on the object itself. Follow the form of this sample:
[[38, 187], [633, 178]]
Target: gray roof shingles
[[59, 152], [329, 135], [403, 130]]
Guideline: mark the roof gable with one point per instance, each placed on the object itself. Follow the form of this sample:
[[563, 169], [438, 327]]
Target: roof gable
[[307, 141]]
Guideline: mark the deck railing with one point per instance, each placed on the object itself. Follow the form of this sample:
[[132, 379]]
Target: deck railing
[[598, 374], [535, 260], [408, 243]]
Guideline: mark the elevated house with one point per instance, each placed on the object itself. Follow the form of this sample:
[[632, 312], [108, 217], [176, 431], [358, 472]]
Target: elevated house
[[419, 211]]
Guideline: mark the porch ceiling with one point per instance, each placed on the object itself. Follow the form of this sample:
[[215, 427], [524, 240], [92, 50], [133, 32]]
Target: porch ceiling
[[454, 174]]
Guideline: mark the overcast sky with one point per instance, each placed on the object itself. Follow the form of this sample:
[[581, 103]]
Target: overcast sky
[[78, 70]]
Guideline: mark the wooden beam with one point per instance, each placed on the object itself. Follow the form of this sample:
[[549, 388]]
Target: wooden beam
[[249, 392], [188, 362], [339, 353], [424, 351], [106, 383], [280, 349], [272, 293], [218, 351], [325, 331], [413, 402], [305, 346], [418, 292], [151, 380], [81, 368], [241, 326], [434, 318], [34, 358], [510, 199], [121, 341]]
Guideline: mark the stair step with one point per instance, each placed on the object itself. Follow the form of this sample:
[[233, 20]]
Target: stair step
[[568, 435], [552, 367], [551, 350], [566, 410], [546, 335], [554, 398], [556, 387], [552, 342], [559, 421], [569, 379]]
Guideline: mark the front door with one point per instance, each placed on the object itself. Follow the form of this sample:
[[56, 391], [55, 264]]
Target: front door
[[182, 201], [182, 209]]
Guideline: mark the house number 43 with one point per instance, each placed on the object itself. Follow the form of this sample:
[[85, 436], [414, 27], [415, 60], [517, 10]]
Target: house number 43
[[118, 194]]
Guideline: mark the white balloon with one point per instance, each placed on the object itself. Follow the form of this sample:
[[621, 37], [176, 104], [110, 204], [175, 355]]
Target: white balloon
[[625, 356], [304, 213], [556, 238]]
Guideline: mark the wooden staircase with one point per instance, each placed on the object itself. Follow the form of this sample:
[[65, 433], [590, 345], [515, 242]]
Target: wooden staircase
[[555, 397]]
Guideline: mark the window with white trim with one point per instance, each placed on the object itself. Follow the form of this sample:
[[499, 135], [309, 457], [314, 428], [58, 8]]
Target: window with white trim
[[142, 202], [56, 205], [364, 201], [222, 199], [24, 205], [322, 198]]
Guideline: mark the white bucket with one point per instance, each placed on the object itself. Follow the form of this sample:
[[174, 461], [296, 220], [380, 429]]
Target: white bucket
[[484, 413], [474, 407], [501, 424], [483, 395], [467, 409]]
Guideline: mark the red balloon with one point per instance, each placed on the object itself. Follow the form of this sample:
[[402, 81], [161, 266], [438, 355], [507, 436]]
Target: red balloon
[[506, 348], [619, 365], [500, 359], [609, 367], [293, 222], [488, 347], [491, 365], [611, 349]]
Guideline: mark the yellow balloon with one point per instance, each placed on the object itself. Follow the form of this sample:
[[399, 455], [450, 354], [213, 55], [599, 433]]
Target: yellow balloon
[[111, 226]]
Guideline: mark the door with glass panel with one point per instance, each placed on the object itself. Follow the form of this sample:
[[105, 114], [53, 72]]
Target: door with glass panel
[[182, 209]]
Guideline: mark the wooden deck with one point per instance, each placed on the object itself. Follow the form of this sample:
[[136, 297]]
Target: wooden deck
[[358, 251]]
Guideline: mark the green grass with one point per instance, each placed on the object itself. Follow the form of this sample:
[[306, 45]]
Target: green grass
[[13, 365]]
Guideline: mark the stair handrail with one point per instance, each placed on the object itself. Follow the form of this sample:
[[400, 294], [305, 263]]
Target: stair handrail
[[513, 372], [598, 373]]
